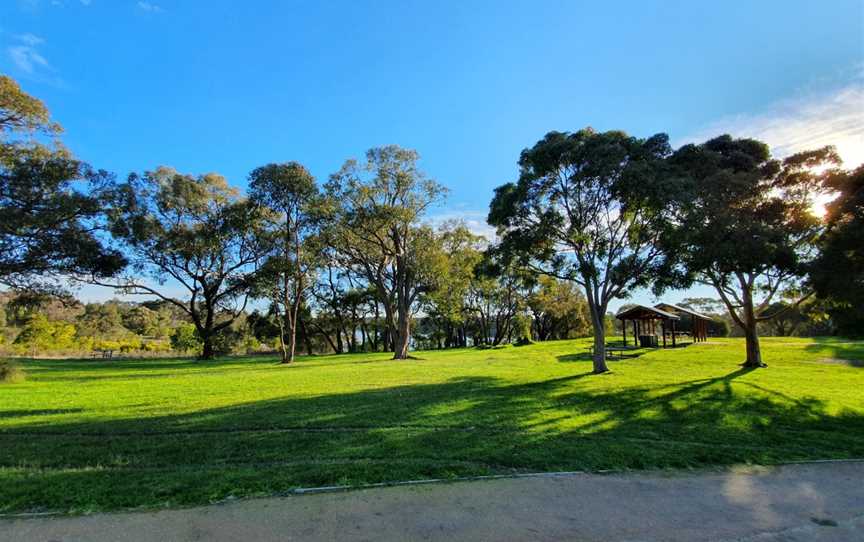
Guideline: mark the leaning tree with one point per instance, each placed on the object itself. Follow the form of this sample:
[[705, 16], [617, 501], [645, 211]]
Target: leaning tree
[[192, 233], [747, 226], [378, 208], [590, 208], [50, 218]]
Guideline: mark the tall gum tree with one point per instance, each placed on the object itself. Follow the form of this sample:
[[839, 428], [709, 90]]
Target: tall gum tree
[[295, 212], [379, 205], [195, 233], [590, 208], [747, 226]]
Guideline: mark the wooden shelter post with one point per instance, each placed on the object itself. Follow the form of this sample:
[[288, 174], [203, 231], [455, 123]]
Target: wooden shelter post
[[673, 332]]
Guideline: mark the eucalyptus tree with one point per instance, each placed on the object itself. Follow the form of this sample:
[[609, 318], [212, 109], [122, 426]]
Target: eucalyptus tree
[[589, 208], [496, 295], [192, 233], [747, 226], [379, 204], [50, 215], [295, 213], [461, 251], [558, 309], [22, 114], [838, 273]]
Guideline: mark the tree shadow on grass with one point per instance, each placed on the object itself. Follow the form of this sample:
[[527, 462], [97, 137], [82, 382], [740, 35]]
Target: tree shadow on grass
[[125, 369], [20, 413], [839, 351], [464, 426], [587, 356]]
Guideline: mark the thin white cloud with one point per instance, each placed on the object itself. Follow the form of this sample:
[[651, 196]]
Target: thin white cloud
[[36, 5], [29, 39], [150, 7], [26, 59], [29, 5], [29, 62], [831, 118]]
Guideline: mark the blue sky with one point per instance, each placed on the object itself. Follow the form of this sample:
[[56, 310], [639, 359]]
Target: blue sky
[[227, 86]]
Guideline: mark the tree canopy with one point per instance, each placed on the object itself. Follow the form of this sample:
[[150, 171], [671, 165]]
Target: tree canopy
[[591, 208], [747, 226], [379, 205], [21, 113], [295, 214], [838, 272], [51, 215], [197, 232]]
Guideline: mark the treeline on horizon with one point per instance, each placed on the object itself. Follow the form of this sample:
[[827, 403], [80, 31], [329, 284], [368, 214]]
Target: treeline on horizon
[[354, 265]]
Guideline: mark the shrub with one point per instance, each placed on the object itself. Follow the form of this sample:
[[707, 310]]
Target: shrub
[[522, 327], [157, 346], [10, 373], [234, 341], [185, 338], [721, 327], [42, 335]]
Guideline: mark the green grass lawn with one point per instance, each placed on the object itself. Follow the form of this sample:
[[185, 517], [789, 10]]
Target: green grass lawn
[[92, 435]]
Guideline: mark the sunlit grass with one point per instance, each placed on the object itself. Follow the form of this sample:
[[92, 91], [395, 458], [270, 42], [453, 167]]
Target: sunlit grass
[[84, 435]]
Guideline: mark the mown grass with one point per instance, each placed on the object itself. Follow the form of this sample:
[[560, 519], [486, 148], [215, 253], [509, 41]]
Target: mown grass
[[83, 435]]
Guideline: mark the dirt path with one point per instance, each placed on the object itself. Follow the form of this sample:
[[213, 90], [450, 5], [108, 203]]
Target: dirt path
[[812, 502]]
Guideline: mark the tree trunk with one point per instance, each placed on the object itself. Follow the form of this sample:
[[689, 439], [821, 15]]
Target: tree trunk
[[292, 343], [339, 345], [598, 322], [207, 352], [751, 333], [754, 353], [403, 334], [283, 346]]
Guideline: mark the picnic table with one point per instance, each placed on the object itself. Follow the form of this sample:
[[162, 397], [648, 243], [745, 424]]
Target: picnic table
[[611, 350]]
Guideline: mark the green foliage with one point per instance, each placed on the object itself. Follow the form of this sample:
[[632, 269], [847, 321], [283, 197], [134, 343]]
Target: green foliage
[[235, 340], [141, 321], [47, 217], [746, 224], [838, 272], [48, 220], [522, 329], [101, 320], [720, 327], [296, 214], [40, 334], [496, 295], [453, 265], [704, 305], [185, 338], [197, 231], [378, 206], [559, 309], [171, 432], [21, 113], [591, 208], [10, 372]]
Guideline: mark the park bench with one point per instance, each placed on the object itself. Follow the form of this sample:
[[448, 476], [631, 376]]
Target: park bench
[[103, 354]]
